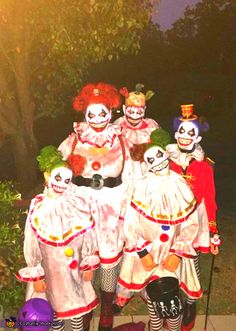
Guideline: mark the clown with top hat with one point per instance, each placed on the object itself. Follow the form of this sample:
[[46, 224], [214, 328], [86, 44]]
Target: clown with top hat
[[103, 180], [60, 245], [135, 127], [161, 225], [188, 159]]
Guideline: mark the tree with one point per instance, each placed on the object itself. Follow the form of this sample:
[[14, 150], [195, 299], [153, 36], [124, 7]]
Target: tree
[[46, 48], [203, 40]]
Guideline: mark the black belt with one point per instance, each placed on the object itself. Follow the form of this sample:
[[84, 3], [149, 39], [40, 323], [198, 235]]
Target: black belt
[[97, 182]]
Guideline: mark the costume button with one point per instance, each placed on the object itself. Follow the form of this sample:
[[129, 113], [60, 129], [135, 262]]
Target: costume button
[[164, 237], [69, 251], [165, 227], [73, 265], [96, 165]]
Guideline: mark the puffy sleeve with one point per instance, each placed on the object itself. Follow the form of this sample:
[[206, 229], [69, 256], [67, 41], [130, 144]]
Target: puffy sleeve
[[34, 271], [66, 146], [188, 231], [134, 234], [89, 255]]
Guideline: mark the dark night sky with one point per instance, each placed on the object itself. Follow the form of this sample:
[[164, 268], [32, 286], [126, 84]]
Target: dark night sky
[[171, 10]]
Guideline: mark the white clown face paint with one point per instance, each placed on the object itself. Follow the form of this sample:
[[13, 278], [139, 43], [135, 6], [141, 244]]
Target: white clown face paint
[[59, 179], [187, 136], [157, 161], [97, 116], [134, 114]]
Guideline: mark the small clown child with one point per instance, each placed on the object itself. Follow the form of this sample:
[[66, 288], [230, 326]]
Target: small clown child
[[160, 227], [59, 245], [188, 159]]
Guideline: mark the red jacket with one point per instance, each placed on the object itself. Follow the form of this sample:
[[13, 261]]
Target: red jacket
[[200, 176]]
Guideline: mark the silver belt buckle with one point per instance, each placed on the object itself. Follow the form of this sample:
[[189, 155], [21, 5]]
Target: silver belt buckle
[[97, 182]]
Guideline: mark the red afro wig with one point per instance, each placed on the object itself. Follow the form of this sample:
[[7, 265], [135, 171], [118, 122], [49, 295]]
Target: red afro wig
[[103, 93]]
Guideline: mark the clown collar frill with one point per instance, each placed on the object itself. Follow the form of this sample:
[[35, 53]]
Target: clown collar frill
[[104, 138], [197, 154], [163, 199], [56, 222], [137, 134]]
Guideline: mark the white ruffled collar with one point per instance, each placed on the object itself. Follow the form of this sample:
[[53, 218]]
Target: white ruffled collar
[[163, 199], [175, 154], [98, 139], [56, 222]]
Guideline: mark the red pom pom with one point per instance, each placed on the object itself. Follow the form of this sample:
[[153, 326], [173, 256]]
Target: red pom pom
[[74, 264], [77, 164], [124, 91]]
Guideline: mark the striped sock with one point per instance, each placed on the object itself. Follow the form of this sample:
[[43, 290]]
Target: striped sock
[[77, 323]]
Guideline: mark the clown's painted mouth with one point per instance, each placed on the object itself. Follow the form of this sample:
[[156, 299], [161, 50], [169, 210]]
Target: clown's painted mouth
[[159, 167], [184, 141], [98, 126], [58, 189], [134, 122]]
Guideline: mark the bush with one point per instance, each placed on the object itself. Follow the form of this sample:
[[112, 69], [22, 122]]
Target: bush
[[11, 249]]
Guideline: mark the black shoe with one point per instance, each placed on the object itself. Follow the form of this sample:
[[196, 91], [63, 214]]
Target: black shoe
[[189, 316]]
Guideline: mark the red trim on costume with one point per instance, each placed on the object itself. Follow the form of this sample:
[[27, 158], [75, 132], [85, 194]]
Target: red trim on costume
[[138, 287], [87, 267], [112, 259], [76, 311], [64, 243], [179, 253], [169, 222], [194, 294], [138, 249], [28, 279], [203, 249], [133, 286]]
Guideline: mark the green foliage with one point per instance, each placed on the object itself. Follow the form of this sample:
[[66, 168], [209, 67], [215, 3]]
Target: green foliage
[[65, 37], [11, 250]]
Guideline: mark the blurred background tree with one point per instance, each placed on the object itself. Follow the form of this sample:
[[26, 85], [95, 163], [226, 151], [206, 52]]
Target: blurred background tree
[[46, 48]]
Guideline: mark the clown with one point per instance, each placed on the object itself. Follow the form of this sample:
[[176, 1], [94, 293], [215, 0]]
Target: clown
[[160, 227], [103, 180], [60, 247], [135, 127], [188, 160]]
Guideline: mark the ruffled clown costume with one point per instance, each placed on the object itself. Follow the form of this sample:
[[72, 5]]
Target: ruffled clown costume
[[161, 218], [59, 245]]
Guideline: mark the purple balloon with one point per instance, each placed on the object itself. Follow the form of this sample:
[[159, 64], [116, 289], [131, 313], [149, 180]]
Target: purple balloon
[[35, 315]]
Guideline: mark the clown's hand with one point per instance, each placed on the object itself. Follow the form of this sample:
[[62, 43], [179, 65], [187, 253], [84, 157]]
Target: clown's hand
[[40, 286], [172, 262], [147, 262], [87, 275], [215, 243]]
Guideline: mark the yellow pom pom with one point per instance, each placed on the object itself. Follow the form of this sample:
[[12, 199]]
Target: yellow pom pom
[[69, 251]]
